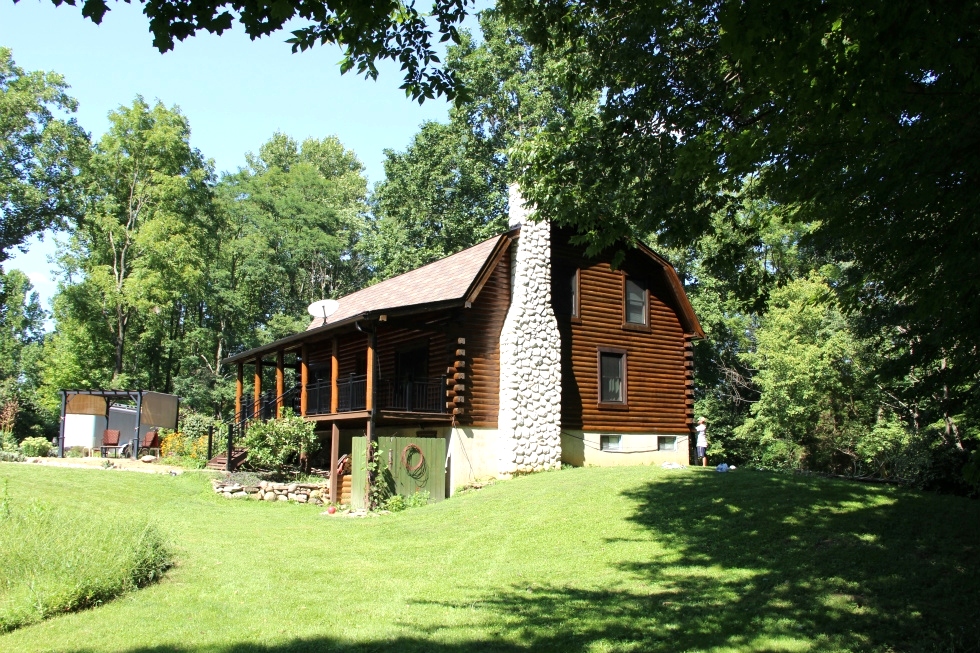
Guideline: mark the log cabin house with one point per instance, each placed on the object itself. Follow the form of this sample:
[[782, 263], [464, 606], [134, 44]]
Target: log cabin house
[[520, 353]]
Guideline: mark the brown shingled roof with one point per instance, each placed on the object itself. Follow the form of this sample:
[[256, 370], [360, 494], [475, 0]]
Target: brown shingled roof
[[444, 280]]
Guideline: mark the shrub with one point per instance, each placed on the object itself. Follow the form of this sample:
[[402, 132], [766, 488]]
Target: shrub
[[191, 441], [35, 447], [54, 560], [199, 448], [172, 444], [417, 500], [75, 452], [276, 443], [8, 442], [11, 457], [395, 503]]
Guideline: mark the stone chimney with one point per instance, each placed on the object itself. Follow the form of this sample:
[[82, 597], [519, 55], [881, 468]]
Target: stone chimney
[[529, 422]]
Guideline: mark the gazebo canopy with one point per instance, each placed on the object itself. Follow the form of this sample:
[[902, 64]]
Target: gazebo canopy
[[152, 408]]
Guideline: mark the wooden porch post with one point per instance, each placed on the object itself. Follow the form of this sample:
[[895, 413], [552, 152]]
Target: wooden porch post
[[369, 406], [304, 378], [334, 457], [369, 383], [280, 382], [239, 387], [334, 373], [257, 388]]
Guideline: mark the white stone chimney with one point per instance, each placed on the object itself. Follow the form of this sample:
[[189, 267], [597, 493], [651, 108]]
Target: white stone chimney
[[529, 422]]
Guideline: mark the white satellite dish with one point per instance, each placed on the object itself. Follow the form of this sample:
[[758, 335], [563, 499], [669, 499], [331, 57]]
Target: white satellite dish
[[323, 308]]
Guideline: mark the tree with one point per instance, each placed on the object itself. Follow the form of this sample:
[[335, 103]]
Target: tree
[[305, 203], [447, 191], [38, 153], [21, 323], [138, 247], [368, 31], [858, 116], [288, 228]]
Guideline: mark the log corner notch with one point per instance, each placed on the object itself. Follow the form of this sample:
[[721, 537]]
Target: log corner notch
[[689, 378], [456, 379]]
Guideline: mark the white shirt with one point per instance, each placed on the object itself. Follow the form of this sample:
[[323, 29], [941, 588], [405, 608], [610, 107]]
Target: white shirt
[[702, 438]]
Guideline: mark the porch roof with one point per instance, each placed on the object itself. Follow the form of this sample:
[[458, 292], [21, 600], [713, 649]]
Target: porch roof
[[445, 283], [444, 280]]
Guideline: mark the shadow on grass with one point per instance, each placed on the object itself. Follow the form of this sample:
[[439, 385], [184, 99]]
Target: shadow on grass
[[745, 561]]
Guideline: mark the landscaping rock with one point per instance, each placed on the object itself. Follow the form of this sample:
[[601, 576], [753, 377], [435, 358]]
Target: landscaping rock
[[148, 459]]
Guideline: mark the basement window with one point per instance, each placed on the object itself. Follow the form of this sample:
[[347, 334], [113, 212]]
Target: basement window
[[609, 442], [667, 443]]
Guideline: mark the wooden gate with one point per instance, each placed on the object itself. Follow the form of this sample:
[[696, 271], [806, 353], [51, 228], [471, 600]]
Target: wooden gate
[[414, 464]]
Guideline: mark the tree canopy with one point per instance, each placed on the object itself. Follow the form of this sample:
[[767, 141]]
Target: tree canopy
[[39, 153], [367, 31]]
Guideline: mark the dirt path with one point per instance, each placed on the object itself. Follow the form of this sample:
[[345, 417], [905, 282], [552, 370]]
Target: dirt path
[[124, 464]]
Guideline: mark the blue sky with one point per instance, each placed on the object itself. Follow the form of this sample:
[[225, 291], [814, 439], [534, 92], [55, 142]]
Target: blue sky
[[235, 92]]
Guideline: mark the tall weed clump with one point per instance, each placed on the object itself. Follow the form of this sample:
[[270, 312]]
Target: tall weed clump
[[53, 560]]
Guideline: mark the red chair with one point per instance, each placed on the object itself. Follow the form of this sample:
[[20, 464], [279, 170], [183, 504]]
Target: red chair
[[150, 443], [110, 442]]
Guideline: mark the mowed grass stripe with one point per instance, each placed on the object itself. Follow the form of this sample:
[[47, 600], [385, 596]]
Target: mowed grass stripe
[[621, 559]]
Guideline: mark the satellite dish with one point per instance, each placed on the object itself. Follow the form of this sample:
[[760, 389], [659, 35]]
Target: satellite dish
[[323, 308]]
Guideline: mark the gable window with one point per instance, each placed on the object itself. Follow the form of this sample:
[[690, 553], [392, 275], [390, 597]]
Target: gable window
[[612, 376], [635, 302]]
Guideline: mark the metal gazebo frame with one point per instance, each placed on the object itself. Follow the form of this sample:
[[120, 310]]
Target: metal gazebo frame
[[130, 395]]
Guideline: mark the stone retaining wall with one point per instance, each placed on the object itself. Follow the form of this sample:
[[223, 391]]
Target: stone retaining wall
[[315, 493]]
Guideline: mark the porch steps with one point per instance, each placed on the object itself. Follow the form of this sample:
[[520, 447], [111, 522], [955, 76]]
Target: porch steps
[[238, 456]]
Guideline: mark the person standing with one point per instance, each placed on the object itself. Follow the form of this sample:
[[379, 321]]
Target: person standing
[[702, 443]]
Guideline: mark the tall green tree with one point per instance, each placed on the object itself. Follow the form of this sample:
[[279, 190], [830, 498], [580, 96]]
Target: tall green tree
[[39, 153], [136, 251], [306, 202], [21, 338], [290, 224], [21, 323], [860, 116], [447, 191]]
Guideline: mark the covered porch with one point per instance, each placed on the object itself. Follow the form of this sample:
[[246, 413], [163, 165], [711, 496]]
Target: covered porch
[[350, 378]]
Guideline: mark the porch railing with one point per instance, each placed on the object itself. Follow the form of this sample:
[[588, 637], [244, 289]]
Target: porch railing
[[352, 393], [268, 403], [318, 398], [416, 396]]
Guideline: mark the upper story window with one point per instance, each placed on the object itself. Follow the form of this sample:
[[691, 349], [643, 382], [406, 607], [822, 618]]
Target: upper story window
[[566, 291], [635, 302]]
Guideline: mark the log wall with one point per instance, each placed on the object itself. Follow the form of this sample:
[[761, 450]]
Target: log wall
[[480, 326], [659, 364]]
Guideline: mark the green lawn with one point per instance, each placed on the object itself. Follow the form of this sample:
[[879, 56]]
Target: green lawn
[[629, 559]]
